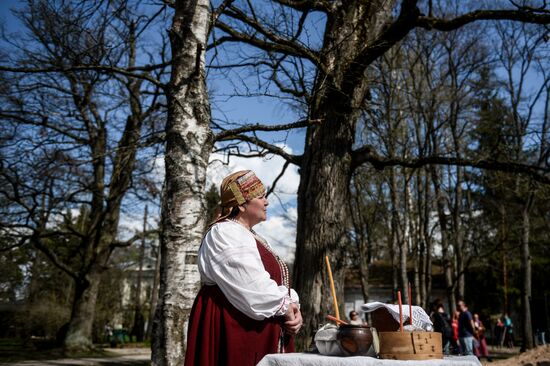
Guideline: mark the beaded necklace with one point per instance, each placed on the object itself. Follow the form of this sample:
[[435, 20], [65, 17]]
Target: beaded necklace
[[282, 265]]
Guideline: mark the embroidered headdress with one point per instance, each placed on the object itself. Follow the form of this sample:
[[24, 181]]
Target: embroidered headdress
[[238, 188]]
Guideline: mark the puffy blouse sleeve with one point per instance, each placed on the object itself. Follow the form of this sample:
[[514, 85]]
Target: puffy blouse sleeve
[[229, 258]]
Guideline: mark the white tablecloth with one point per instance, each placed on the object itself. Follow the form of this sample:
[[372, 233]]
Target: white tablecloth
[[311, 359]]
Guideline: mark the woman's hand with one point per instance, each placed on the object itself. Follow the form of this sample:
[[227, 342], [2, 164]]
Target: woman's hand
[[293, 319]]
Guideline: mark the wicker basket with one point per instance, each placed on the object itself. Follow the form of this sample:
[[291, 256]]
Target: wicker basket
[[410, 345]]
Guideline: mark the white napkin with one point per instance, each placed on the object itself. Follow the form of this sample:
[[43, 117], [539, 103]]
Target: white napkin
[[326, 341], [421, 320]]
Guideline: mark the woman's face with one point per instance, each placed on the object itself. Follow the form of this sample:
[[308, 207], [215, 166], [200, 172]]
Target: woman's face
[[255, 210]]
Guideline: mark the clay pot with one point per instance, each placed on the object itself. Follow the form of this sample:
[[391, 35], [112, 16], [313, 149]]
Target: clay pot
[[354, 340]]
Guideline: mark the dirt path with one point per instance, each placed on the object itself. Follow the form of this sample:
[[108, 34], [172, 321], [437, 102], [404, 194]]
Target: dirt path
[[539, 356], [124, 356]]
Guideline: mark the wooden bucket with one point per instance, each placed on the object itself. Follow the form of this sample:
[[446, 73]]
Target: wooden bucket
[[410, 345]]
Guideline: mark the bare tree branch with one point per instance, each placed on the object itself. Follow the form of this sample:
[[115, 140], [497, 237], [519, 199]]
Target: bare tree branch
[[277, 44], [294, 159], [102, 68], [410, 17], [307, 5], [367, 154], [19, 243], [272, 188], [43, 123], [52, 256], [137, 237], [226, 134], [215, 14], [392, 34], [526, 16]]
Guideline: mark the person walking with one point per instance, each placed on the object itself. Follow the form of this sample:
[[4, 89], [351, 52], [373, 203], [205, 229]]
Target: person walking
[[465, 329], [481, 349], [455, 345], [442, 324], [508, 331], [499, 333]]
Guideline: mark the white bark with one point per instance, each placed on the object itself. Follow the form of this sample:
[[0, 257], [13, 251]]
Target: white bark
[[188, 146]]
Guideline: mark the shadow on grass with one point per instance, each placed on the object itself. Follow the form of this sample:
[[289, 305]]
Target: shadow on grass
[[12, 350]]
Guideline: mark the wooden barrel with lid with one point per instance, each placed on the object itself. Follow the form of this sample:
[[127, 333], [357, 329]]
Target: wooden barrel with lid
[[410, 345]]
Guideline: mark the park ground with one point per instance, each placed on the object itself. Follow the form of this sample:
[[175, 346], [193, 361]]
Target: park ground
[[15, 353], [539, 356]]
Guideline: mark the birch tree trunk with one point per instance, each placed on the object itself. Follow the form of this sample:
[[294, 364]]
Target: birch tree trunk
[[188, 146]]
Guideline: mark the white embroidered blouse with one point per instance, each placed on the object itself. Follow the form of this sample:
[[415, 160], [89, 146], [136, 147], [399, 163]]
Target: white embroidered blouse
[[229, 258]]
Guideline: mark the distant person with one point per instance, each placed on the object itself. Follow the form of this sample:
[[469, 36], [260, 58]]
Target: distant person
[[508, 331], [455, 345], [499, 333], [466, 329], [481, 350], [540, 337], [442, 324], [107, 333], [354, 318]]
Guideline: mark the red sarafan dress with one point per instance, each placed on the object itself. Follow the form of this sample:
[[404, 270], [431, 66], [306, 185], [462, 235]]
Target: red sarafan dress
[[219, 334]]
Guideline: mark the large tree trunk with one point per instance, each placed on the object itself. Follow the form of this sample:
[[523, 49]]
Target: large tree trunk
[[79, 334], [326, 169], [78, 337], [188, 147], [323, 198], [104, 218]]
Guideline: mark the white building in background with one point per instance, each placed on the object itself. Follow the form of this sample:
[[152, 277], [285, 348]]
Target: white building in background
[[124, 318]]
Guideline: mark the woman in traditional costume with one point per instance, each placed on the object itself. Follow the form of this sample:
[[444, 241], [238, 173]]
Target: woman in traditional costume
[[245, 308]]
